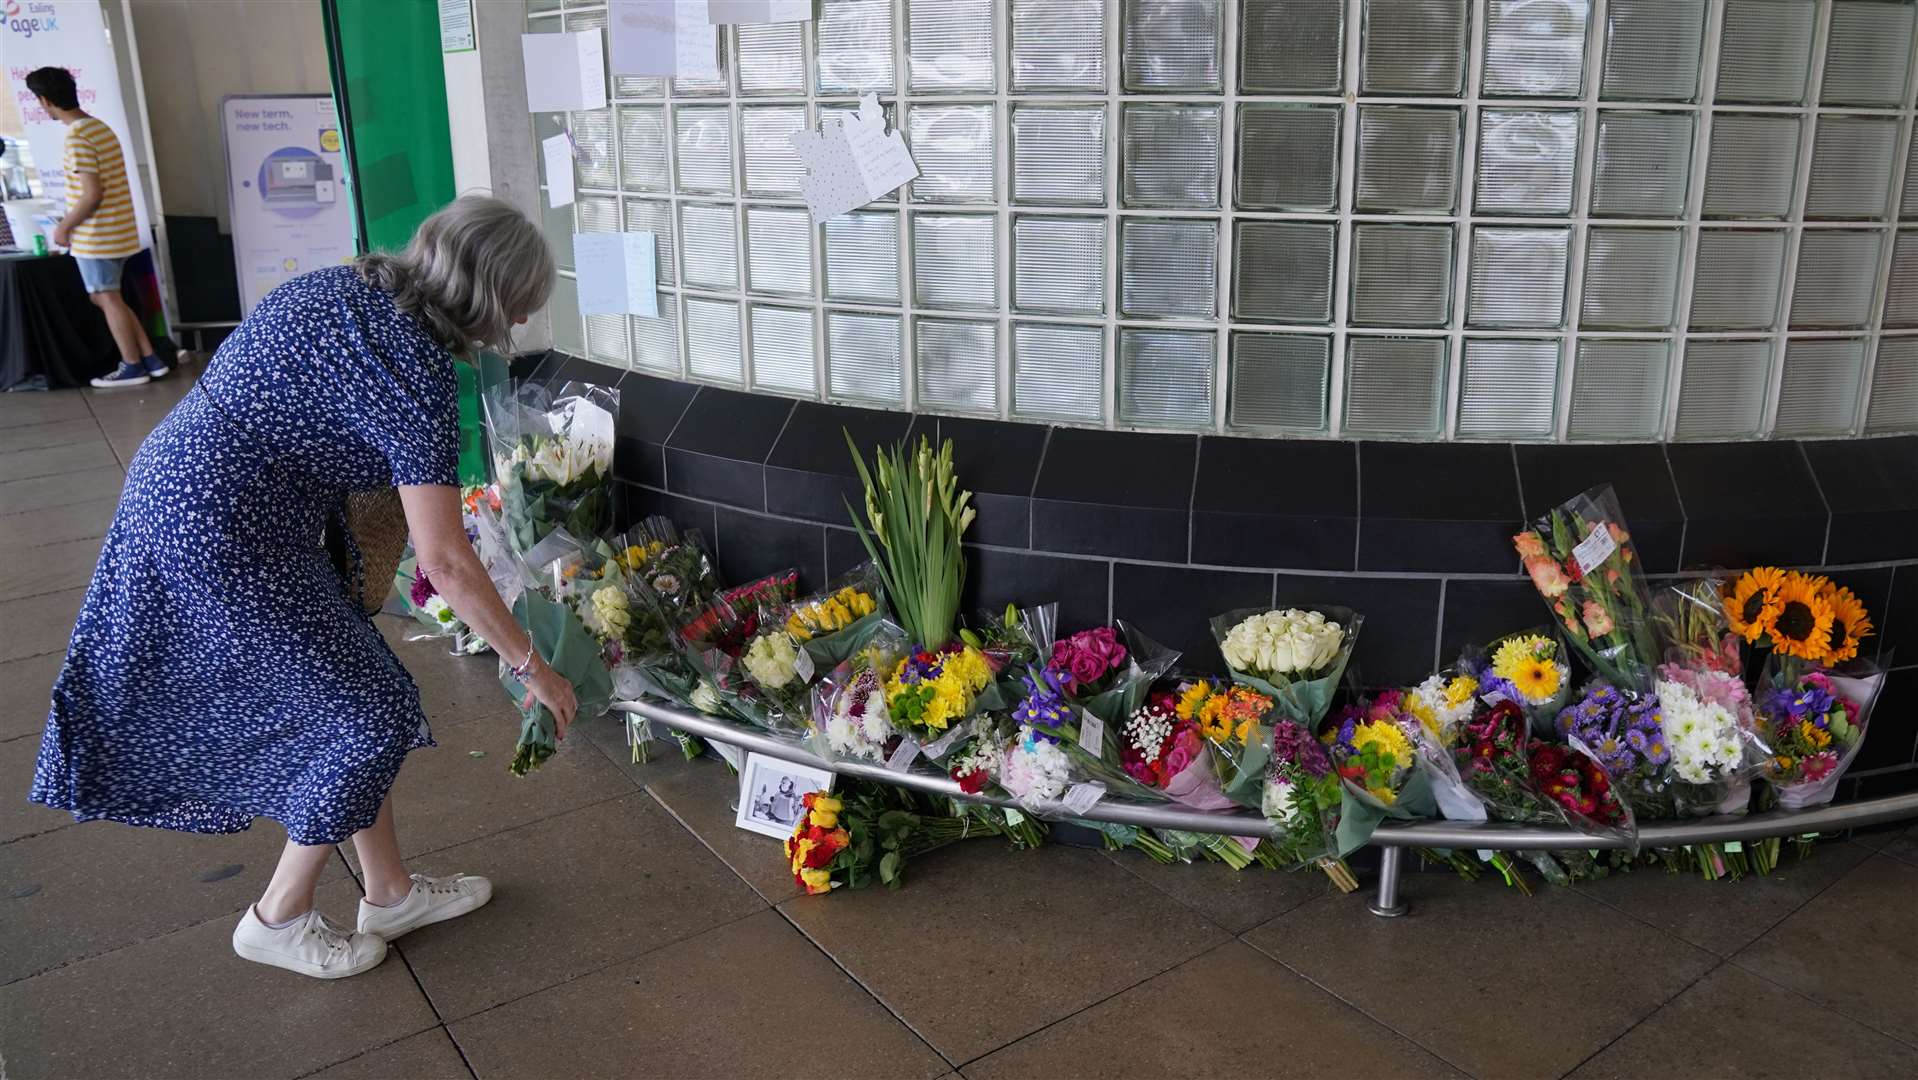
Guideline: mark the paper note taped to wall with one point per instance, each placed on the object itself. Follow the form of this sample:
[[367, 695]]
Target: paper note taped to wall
[[662, 37], [558, 155], [564, 72], [851, 162], [758, 11], [618, 274]]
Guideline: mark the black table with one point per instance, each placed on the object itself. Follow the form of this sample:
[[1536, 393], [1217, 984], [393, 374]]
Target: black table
[[49, 327]]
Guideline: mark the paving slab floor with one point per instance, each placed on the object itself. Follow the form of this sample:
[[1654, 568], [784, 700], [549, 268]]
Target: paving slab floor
[[636, 932]]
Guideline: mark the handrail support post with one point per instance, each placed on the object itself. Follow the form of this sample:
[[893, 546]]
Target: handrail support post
[[1387, 905]]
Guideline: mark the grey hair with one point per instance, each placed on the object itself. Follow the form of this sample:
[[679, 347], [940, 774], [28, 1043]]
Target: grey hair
[[471, 271]]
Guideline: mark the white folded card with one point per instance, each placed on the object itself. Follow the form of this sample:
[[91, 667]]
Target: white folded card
[[618, 274], [758, 11], [558, 154], [852, 162], [662, 37], [564, 72]]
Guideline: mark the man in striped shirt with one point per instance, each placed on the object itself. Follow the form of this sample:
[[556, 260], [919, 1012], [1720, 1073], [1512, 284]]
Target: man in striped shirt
[[100, 228]]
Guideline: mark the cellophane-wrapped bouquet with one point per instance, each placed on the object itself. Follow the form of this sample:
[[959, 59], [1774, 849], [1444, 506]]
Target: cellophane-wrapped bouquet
[[423, 600], [1529, 781], [1581, 559], [1295, 658], [1086, 693], [850, 719], [834, 624], [552, 451], [868, 833], [1303, 794], [1527, 669], [1374, 750], [717, 641], [572, 650], [1014, 642]]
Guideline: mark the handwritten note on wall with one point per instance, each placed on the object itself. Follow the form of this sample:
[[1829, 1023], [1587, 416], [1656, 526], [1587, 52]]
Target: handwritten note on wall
[[618, 273], [851, 163], [662, 37]]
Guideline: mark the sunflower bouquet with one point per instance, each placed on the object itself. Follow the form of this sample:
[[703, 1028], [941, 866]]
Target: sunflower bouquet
[[1805, 618], [1582, 561]]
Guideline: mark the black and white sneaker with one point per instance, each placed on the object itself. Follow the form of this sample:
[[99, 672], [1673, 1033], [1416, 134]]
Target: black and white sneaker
[[128, 375]]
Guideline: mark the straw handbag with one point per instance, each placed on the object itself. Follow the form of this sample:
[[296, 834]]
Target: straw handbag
[[378, 524]]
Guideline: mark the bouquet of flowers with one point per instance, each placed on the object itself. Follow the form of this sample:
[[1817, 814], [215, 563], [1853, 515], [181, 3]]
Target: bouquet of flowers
[[1581, 560], [927, 693], [1090, 688], [572, 651], [868, 834], [1034, 768], [553, 459], [917, 515], [1163, 756], [1374, 750], [1805, 617], [738, 621], [1304, 794], [431, 610], [834, 624], [1014, 641], [1294, 657], [1495, 759], [1527, 669], [1811, 727], [1235, 722], [849, 715]]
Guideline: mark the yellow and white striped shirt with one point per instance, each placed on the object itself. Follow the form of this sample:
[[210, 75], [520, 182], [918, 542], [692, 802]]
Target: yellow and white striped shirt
[[111, 233]]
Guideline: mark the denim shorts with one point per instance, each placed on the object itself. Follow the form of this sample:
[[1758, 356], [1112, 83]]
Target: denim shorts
[[100, 275]]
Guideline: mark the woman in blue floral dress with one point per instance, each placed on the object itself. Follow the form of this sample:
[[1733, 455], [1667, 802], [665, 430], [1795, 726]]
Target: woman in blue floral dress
[[221, 669]]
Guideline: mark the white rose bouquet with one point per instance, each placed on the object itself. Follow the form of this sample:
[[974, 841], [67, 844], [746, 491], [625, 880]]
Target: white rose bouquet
[[1295, 656]]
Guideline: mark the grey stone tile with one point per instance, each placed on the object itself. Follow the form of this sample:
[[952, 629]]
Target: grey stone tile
[[985, 946], [66, 489], [445, 796], [1237, 900], [18, 817], [571, 894], [1904, 846], [51, 525], [24, 409], [1447, 974], [53, 433], [49, 568], [1194, 1021], [100, 886], [184, 1006], [699, 797], [430, 1055], [656, 760], [1851, 949], [29, 692], [750, 998], [1725, 916], [38, 624], [1733, 1023], [56, 460]]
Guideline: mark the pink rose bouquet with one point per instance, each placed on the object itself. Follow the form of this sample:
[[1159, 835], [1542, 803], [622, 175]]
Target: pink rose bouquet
[[1090, 661]]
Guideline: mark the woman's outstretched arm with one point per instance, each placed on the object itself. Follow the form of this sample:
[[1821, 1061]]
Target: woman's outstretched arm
[[446, 557]]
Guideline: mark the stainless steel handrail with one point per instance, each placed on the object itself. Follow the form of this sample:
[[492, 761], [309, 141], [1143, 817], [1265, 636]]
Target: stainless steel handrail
[[1434, 834]]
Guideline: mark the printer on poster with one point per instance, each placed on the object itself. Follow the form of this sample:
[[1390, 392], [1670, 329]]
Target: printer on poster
[[290, 209]]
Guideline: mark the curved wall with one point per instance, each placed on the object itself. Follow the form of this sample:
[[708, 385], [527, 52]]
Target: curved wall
[[1166, 531]]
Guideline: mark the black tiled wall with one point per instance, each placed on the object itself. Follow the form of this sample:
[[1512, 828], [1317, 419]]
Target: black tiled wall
[[1166, 531]]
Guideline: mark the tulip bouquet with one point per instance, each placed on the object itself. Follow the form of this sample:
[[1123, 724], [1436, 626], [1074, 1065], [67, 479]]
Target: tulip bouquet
[[836, 623], [553, 459], [1294, 657], [1581, 560]]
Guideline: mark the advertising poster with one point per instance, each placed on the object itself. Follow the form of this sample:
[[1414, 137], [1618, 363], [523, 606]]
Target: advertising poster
[[286, 190], [73, 35]]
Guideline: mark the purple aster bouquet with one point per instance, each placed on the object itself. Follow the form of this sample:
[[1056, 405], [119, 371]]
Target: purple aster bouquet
[[1303, 794]]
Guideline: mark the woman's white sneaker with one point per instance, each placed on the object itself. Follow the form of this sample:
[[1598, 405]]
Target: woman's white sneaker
[[430, 900], [311, 945]]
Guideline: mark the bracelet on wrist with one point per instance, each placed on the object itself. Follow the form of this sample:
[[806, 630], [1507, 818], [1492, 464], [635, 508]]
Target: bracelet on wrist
[[525, 667]]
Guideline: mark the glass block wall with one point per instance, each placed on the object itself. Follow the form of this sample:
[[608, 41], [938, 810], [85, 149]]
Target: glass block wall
[[1425, 219]]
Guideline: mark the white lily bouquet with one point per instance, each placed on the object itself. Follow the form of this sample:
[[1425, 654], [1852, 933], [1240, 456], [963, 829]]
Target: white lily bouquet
[[553, 460]]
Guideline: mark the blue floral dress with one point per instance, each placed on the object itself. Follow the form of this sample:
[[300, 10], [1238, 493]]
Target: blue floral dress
[[219, 670]]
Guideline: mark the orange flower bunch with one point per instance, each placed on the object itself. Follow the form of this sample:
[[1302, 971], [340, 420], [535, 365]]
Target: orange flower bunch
[[1808, 616]]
